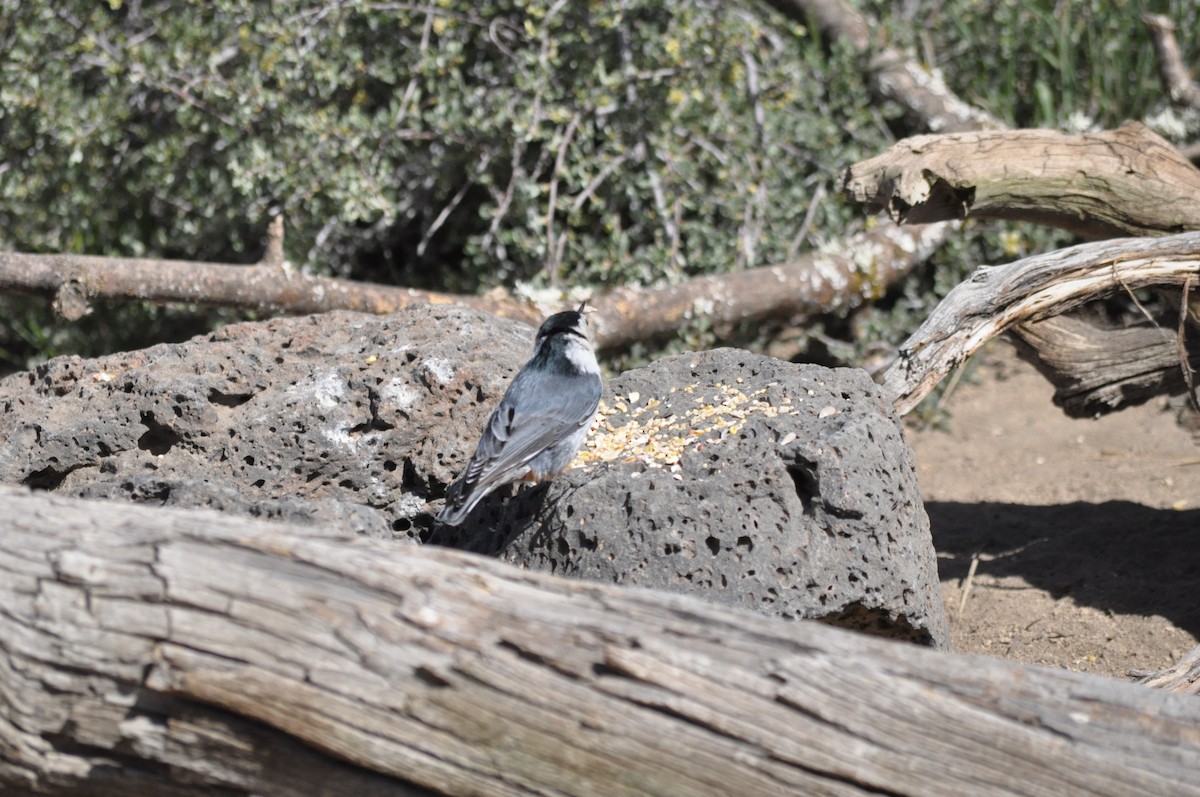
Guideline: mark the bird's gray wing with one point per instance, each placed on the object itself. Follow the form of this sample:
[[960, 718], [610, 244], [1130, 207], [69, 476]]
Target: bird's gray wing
[[534, 414]]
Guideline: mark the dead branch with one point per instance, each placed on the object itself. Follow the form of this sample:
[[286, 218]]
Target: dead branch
[[927, 101], [857, 269], [1098, 369], [1176, 80], [147, 651], [819, 282], [1182, 677], [1127, 181], [998, 298], [75, 281]]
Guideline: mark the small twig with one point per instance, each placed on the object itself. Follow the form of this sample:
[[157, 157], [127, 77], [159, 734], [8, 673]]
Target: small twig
[[1181, 343], [806, 225], [552, 250], [951, 385], [967, 583], [449, 208], [273, 253], [604, 174]]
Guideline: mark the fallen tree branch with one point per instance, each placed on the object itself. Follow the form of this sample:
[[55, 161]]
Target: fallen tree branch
[[847, 274], [1182, 677], [998, 298], [927, 102], [1176, 80], [151, 651], [844, 275], [1127, 181], [75, 281], [1098, 369]]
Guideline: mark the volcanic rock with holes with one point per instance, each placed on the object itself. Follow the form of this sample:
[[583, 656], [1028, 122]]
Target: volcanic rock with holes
[[782, 488], [339, 419], [745, 480]]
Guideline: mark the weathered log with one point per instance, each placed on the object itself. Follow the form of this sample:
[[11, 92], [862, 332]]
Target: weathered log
[[152, 651], [997, 298], [1127, 181], [1097, 369], [844, 275]]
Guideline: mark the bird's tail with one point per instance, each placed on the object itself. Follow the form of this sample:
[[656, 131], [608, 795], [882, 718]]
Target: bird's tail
[[460, 500]]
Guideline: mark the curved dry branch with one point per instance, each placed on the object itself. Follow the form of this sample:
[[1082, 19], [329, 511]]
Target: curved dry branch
[[75, 281], [1127, 181], [927, 102], [1183, 676], [997, 298], [152, 651], [1176, 80]]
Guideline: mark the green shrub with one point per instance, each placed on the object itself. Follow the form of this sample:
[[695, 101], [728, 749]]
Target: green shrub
[[462, 146]]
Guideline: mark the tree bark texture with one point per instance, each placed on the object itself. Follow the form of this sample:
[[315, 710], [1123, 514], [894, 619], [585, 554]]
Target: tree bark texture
[[858, 269], [1176, 81], [1127, 181], [75, 281], [895, 76], [1097, 369], [997, 298], [152, 651]]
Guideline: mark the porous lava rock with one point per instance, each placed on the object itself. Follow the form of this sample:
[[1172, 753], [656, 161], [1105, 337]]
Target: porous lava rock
[[338, 418], [782, 488]]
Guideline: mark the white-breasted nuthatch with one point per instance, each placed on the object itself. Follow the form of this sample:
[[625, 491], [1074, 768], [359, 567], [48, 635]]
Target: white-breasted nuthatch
[[542, 419]]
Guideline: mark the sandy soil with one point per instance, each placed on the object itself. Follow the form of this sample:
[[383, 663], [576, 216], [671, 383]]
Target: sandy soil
[[1086, 533]]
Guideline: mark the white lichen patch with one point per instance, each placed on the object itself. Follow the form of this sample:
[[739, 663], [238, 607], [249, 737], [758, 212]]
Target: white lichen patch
[[656, 436], [399, 394], [438, 369], [325, 389], [408, 505]]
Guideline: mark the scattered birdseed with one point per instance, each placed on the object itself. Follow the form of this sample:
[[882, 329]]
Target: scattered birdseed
[[658, 441]]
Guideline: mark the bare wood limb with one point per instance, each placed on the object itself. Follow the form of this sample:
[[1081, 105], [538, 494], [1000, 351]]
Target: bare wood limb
[[150, 651], [997, 298], [927, 101], [267, 288], [1182, 677], [1127, 181], [1176, 80], [1096, 369], [862, 266], [853, 271]]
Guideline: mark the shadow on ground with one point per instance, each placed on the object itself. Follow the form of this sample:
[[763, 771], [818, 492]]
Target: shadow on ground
[[1115, 556]]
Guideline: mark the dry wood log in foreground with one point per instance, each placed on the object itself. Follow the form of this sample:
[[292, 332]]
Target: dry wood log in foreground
[[153, 651], [1127, 181], [997, 298]]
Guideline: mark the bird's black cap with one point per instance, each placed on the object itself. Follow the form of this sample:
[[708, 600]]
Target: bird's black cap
[[570, 322]]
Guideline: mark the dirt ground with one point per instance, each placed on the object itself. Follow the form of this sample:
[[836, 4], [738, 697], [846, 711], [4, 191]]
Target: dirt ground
[[1086, 532]]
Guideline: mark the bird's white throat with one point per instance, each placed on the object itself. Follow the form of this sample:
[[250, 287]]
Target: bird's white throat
[[582, 356]]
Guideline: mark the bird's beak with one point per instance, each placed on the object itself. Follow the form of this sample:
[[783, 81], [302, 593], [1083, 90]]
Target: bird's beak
[[583, 308]]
